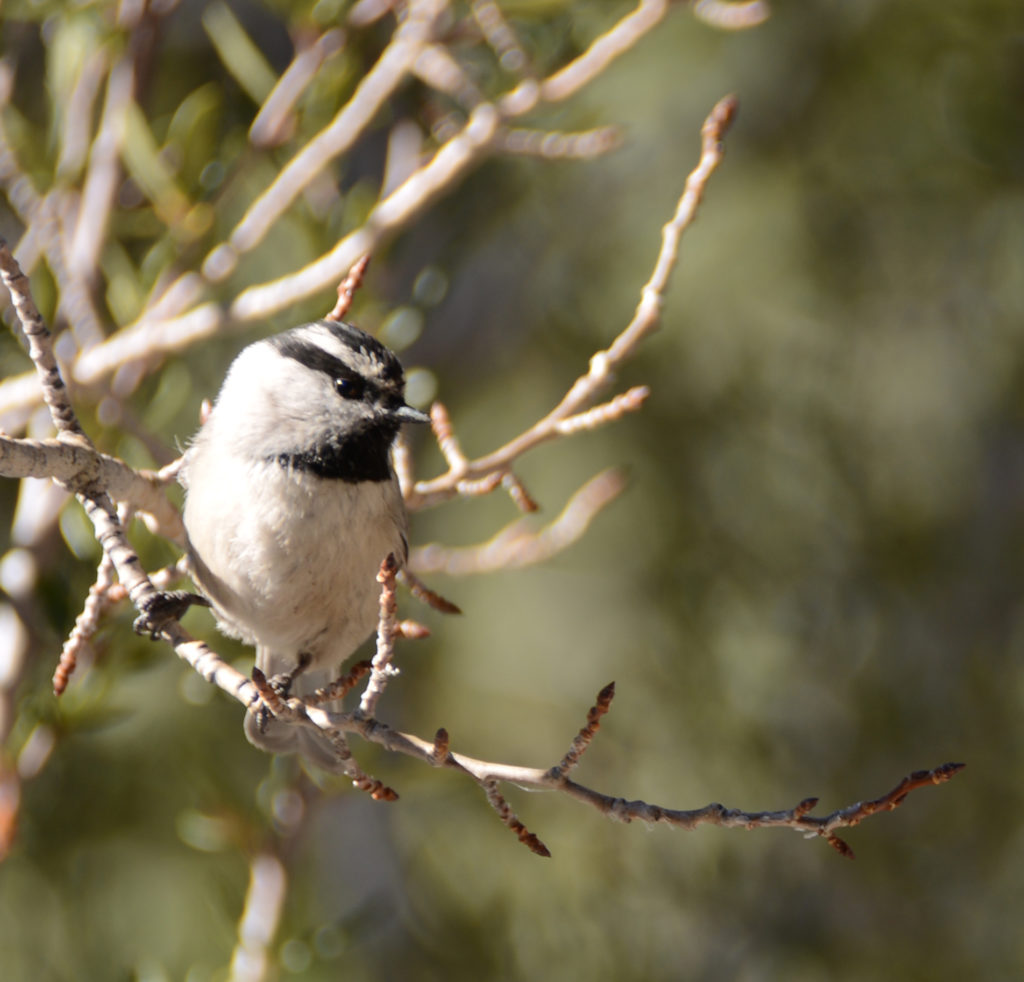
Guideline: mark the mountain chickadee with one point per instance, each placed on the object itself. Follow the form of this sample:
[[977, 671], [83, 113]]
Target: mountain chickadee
[[292, 503]]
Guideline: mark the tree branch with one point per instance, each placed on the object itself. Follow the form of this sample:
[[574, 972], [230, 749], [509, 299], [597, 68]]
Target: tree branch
[[487, 773], [183, 314], [264, 901], [79, 467], [96, 502], [520, 544], [566, 418]]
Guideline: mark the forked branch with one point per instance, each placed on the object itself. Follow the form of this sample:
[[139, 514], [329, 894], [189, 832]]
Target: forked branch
[[576, 411], [73, 460], [489, 775]]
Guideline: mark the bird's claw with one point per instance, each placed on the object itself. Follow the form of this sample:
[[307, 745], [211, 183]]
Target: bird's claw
[[162, 607], [282, 682]]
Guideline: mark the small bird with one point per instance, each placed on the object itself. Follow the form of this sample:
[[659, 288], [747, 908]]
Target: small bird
[[291, 505]]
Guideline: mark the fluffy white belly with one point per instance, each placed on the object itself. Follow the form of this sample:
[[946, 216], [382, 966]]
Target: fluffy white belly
[[293, 569]]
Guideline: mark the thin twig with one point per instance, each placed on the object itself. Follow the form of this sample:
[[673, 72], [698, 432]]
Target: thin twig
[[447, 442], [520, 543], [557, 145], [264, 901], [499, 35], [517, 491], [603, 364], [347, 289], [273, 122], [423, 593], [508, 818], [616, 41], [186, 315], [365, 12], [299, 713], [339, 688], [78, 465], [98, 506], [435, 753], [44, 216], [40, 346], [374, 89], [100, 188], [436, 68], [737, 15], [86, 624], [586, 736], [381, 667]]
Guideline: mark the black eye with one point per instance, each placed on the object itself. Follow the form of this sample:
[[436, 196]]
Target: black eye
[[348, 388]]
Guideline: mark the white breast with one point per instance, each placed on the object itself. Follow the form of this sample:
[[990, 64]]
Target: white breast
[[290, 562]]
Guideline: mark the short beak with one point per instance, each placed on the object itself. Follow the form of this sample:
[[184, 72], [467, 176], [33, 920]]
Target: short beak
[[406, 414]]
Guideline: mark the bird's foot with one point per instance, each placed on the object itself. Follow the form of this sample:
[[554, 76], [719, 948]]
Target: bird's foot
[[159, 608], [283, 681]]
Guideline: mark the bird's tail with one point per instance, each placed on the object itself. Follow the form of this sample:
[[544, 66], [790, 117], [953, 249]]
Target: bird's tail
[[280, 737]]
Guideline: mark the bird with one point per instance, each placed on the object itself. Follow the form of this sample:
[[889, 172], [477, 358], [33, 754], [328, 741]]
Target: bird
[[291, 505]]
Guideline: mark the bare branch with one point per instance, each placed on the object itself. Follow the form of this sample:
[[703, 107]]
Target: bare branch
[[347, 289], [603, 364], [436, 754], [45, 218], [365, 12], [500, 36], [475, 141], [299, 713], [102, 594], [40, 348], [451, 163], [629, 402], [80, 467], [264, 901], [558, 145], [78, 114], [104, 169], [184, 314], [732, 16], [520, 544], [151, 335], [98, 506], [447, 442], [508, 818], [273, 122], [436, 67], [387, 630], [179, 312], [402, 459], [375, 88], [424, 594], [585, 736], [603, 51], [626, 811]]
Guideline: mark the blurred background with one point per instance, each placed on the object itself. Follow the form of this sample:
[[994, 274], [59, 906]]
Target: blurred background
[[811, 585]]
